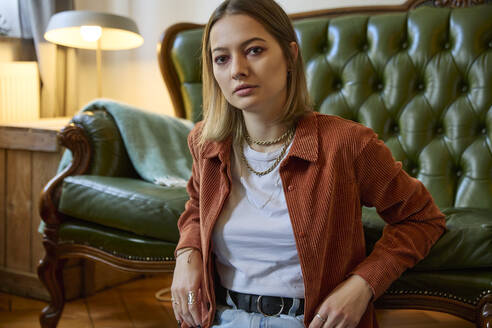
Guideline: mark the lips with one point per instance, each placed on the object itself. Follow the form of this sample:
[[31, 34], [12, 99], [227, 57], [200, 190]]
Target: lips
[[244, 87]]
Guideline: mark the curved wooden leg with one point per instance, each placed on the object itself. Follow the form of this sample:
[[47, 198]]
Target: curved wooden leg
[[51, 275], [484, 317]]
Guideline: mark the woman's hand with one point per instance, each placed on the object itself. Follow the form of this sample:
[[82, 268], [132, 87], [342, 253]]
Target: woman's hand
[[344, 307], [186, 287]]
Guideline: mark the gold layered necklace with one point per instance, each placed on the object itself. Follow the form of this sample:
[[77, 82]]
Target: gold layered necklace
[[287, 136], [267, 142]]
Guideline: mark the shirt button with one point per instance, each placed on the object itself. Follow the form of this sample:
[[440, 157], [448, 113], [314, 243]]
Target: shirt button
[[290, 188]]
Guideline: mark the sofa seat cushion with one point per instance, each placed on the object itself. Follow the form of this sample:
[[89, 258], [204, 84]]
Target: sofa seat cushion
[[131, 205], [116, 242], [466, 244]]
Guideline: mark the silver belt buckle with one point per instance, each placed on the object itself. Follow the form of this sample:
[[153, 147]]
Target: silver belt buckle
[[258, 307]]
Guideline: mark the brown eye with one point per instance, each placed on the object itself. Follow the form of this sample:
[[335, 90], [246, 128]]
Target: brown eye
[[255, 50], [220, 60]]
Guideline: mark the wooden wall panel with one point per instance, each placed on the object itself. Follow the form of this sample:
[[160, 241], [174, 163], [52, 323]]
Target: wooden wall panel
[[18, 223], [2, 207], [44, 166], [23, 284]]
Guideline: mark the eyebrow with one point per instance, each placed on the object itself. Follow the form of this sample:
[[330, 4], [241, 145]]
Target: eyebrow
[[242, 43]]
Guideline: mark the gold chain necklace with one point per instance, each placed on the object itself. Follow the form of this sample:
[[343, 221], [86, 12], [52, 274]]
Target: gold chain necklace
[[266, 142], [290, 135]]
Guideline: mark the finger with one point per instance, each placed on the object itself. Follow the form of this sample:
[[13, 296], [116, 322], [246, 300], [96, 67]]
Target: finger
[[195, 309], [316, 322], [195, 313], [342, 325], [184, 310], [176, 310], [346, 323], [333, 320]]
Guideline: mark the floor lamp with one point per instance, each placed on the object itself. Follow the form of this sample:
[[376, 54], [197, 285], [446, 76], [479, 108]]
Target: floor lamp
[[93, 30]]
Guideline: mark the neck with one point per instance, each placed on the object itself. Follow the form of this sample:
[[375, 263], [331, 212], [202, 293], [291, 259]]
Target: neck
[[259, 129]]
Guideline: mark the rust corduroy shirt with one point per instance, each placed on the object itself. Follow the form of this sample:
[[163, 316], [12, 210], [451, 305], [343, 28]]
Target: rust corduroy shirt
[[334, 167]]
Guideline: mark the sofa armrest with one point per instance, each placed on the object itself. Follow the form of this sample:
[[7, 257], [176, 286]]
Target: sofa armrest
[[95, 147], [107, 150], [75, 139]]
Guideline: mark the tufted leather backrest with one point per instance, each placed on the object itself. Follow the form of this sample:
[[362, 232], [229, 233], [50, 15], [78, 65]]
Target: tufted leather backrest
[[420, 79]]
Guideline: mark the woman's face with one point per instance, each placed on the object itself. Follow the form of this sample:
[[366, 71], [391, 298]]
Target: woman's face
[[249, 65]]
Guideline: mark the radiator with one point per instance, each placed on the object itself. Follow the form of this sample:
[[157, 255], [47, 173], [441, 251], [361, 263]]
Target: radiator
[[19, 92]]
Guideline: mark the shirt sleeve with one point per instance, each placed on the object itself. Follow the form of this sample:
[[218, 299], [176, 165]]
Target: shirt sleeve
[[189, 221], [414, 222]]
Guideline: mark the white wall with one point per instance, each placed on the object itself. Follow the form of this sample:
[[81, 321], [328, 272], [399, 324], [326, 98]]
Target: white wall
[[133, 76], [9, 19]]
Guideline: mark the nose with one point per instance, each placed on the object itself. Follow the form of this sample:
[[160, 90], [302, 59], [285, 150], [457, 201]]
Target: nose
[[239, 67]]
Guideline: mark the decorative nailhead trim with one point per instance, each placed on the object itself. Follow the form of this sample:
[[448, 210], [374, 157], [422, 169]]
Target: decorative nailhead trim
[[441, 294], [123, 256]]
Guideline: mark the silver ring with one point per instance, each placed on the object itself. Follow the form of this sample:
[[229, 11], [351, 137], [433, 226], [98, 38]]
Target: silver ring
[[320, 317], [191, 298]]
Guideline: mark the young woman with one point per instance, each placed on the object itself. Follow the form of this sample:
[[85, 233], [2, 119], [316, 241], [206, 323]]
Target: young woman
[[272, 233]]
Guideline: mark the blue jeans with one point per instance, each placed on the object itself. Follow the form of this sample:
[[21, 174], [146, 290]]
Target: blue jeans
[[231, 317]]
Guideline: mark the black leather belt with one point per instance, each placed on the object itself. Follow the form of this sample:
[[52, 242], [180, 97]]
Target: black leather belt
[[266, 305]]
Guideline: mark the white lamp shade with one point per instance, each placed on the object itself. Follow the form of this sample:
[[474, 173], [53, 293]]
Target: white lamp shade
[[118, 32]]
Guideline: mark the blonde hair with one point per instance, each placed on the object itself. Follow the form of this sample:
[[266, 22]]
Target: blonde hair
[[221, 119]]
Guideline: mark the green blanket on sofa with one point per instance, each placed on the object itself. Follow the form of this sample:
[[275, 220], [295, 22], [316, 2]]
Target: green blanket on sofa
[[147, 139]]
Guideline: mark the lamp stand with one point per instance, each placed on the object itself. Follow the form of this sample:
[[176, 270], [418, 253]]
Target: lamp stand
[[98, 63]]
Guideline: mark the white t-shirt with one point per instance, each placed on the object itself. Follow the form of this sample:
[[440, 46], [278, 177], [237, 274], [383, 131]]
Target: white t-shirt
[[253, 238]]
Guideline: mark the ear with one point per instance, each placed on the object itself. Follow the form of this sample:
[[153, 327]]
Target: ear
[[294, 49]]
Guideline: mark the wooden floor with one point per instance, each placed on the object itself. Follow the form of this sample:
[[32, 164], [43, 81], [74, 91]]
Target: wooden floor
[[133, 305]]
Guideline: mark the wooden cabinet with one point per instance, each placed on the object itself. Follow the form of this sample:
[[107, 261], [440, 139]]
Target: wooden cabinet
[[29, 156]]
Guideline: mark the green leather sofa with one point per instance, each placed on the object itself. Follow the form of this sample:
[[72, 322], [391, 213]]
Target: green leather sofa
[[420, 77]]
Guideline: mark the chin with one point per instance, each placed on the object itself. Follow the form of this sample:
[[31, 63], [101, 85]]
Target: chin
[[248, 105], [248, 108]]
